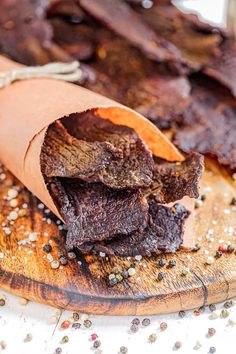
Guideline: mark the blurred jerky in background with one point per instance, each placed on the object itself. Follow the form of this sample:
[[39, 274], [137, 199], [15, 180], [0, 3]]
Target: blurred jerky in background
[[139, 52], [25, 34]]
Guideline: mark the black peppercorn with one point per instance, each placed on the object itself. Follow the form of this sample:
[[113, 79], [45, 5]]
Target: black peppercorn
[[47, 248], [172, 263], [212, 307], [136, 321], [97, 344], [218, 254], [161, 276], [233, 201], [182, 314], [146, 322], [197, 247], [162, 262]]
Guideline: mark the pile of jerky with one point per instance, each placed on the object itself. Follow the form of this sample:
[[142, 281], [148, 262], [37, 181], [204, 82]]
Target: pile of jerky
[[111, 191], [174, 69]]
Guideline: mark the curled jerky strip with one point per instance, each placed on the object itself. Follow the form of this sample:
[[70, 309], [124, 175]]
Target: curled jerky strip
[[60, 71]]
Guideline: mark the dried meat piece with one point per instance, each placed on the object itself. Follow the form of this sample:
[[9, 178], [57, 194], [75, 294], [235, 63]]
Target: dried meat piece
[[120, 18], [126, 76], [74, 39], [94, 212], [210, 123], [198, 42], [164, 234], [223, 67], [65, 156], [173, 181], [134, 166], [25, 34]]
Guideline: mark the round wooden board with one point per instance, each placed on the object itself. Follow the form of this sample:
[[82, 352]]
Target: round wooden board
[[26, 271]]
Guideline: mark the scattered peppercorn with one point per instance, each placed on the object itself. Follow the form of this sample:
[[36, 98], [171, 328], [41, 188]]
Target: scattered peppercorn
[[71, 255], [172, 263], [182, 314], [136, 321], [76, 325], [58, 350], [184, 271], [197, 203], [212, 307], [75, 316], [211, 332], [119, 277], [197, 247], [222, 249], [212, 350], [55, 264], [152, 338], [47, 248], [228, 304], [203, 197], [163, 326], [97, 344], [233, 201], [94, 336], [3, 344], [65, 339], [2, 302], [133, 328], [146, 322], [160, 276], [113, 281], [28, 338], [177, 345], [196, 313], [202, 309], [131, 271], [23, 301], [63, 261], [125, 274], [87, 323], [224, 313], [65, 324], [162, 262], [123, 350], [230, 249], [218, 254]]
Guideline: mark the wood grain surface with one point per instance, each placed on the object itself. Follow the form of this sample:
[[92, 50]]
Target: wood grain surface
[[81, 285]]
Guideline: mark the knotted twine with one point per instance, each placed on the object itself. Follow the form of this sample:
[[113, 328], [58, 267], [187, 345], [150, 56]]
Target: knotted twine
[[60, 71]]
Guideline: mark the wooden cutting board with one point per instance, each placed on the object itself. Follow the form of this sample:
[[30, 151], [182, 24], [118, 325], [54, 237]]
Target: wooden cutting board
[[26, 271]]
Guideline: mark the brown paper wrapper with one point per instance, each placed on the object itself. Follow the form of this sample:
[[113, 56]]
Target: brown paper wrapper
[[28, 107]]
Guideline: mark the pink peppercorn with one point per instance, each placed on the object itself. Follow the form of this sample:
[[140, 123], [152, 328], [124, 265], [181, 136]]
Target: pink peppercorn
[[65, 324], [94, 336]]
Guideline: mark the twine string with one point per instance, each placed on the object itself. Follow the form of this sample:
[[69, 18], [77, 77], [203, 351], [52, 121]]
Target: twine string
[[60, 71]]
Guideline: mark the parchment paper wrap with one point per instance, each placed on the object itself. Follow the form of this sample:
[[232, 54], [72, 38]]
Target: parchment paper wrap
[[28, 107]]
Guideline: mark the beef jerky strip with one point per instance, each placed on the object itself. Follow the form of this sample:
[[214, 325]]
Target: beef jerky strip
[[197, 42], [93, 212], [134, 169], [210, 124], [223, 67], [70, 29], [173, 181], [164, 234], [125, 75], [119, 17], [26, 35], [65, 156]]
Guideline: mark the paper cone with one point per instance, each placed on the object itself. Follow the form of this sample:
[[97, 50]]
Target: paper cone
[[28, 107]]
